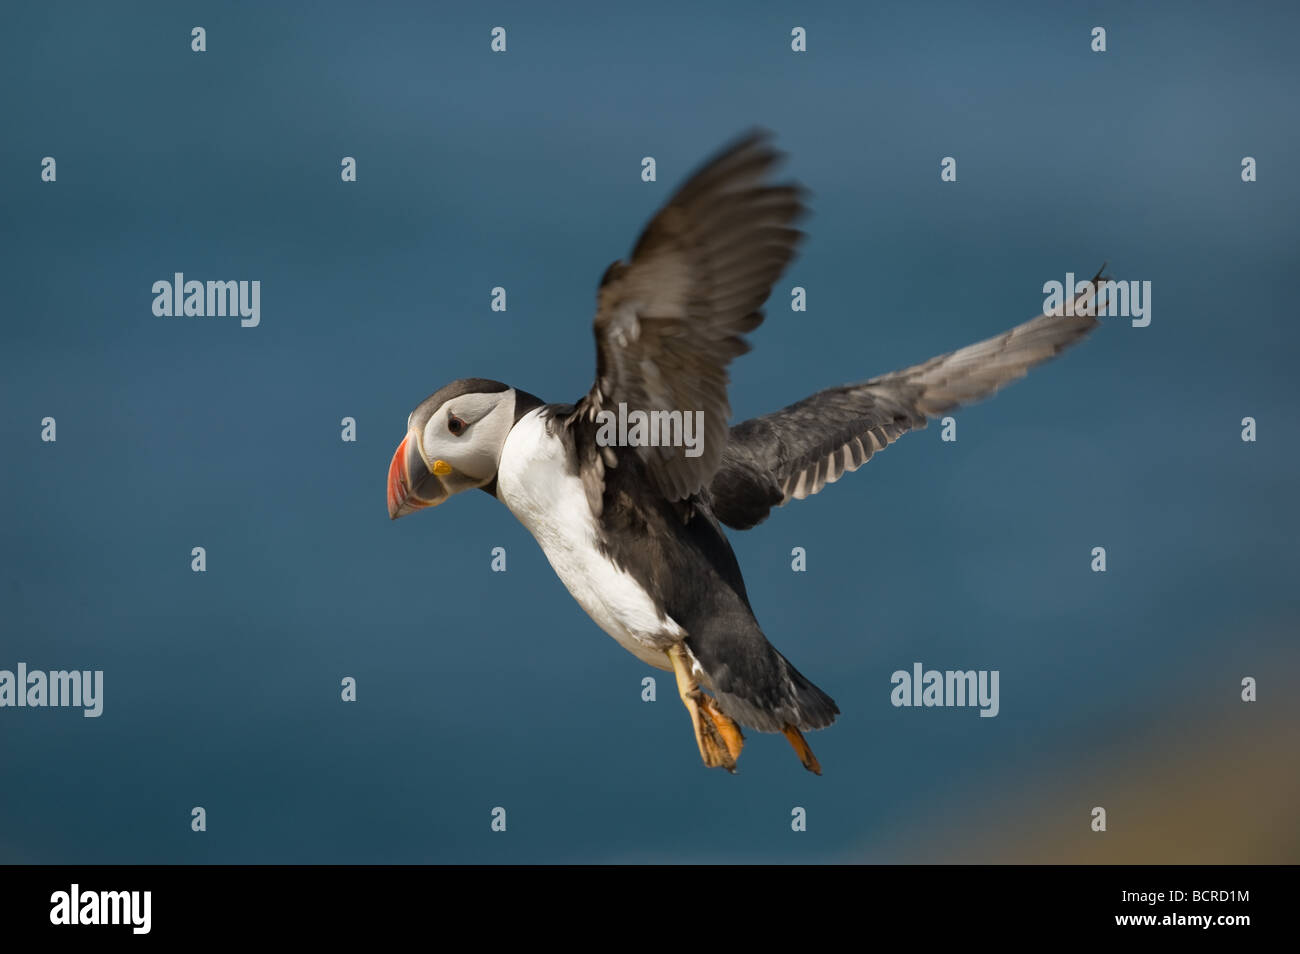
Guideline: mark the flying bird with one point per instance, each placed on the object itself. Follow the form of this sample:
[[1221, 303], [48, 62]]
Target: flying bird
[[633, 529]]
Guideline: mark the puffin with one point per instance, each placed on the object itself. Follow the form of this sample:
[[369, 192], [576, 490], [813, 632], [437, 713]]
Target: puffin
[[632, 525]]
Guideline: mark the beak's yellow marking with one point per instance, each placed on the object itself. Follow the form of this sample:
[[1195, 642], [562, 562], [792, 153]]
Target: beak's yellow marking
[[441, 468]]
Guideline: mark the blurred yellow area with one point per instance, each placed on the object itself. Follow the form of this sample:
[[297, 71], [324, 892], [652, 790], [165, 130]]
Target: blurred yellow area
[[1211, 785]]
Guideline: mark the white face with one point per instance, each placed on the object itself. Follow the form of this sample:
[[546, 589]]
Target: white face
[[468, 432], [453, 443]]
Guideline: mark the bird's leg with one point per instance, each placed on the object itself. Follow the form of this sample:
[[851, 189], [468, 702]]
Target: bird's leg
[[801, 749], [724, 728], [717, 735]]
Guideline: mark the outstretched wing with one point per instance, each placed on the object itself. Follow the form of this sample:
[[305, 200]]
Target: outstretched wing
[[795, 452], [669, 321]]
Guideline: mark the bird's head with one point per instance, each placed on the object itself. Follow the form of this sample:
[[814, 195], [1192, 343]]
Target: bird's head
[[453, 442]]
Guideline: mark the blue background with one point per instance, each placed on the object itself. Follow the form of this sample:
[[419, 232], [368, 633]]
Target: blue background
[[478, 689]]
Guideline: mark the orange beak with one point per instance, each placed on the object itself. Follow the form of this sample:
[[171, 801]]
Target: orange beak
[[411, 485]]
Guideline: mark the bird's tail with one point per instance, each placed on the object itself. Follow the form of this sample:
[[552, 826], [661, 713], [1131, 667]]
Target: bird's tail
[[772, 696], [814, 708]]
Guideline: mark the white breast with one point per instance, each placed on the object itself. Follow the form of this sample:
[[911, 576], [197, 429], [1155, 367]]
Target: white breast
[[533, 481]]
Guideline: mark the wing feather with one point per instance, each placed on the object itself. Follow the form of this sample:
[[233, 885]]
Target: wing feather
[[795, 452], [669, 321]]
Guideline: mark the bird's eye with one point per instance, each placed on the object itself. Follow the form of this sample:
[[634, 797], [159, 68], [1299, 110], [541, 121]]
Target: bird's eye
[[455, 425]]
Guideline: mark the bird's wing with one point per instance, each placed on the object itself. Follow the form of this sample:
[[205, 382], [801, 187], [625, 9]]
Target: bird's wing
[[795, 452], [670, 320]]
